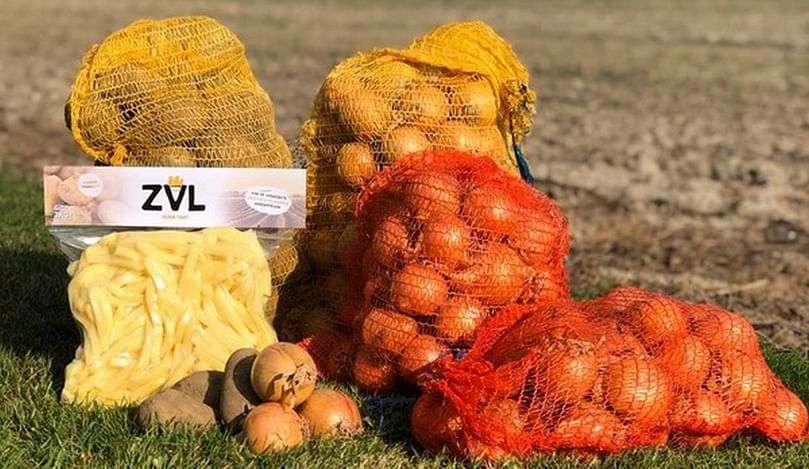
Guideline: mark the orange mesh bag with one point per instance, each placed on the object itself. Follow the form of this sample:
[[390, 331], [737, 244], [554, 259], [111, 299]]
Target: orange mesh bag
[[629, 370], [445, 240], [459, 87], [173, 92]]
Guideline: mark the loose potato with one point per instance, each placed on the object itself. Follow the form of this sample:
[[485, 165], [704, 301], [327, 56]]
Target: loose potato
[[238, 396], [172, 406], [203, 386]]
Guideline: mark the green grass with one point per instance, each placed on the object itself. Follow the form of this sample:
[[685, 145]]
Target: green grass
[[37, 339]]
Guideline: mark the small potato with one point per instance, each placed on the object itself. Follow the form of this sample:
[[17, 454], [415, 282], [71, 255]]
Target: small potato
[[238, 396], [172, 406], [51, 186], [203, 386], [69, 192]]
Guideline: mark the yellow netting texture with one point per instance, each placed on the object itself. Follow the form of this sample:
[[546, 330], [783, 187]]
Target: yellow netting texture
[[458, 87], [173, 92]]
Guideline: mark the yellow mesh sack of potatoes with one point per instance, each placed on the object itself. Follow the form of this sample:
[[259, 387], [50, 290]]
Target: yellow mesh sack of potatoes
[[173, 92], [458, 87], [156, 306]]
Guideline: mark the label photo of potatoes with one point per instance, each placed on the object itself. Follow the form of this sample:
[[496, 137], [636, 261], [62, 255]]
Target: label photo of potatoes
[[78, 196]]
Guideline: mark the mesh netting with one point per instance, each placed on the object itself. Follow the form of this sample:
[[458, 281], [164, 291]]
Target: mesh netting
[[631, 369], [445, 239], [459, 87], [173, 92]]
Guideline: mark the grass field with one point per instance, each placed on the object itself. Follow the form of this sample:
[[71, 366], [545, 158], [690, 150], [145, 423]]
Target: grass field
[[37, 339]]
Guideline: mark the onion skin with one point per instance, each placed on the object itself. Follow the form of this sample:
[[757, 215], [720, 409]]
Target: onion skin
[[272, 428], [284, 373], [435, 424], [391, 242], [588, 426], [419, 289], [330, 413], [534, 240]]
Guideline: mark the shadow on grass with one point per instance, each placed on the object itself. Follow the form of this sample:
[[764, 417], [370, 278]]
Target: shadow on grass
[[34, 314]]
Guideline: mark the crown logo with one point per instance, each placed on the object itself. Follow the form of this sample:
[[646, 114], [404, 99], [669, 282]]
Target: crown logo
[[175, 181]]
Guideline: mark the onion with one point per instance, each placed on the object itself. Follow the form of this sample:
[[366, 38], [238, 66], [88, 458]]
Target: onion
[[388, 331], [272, 428], [424, 105], [617, 346], [743, 380], [373, 372], [316, 320], [430, 193], [546, 287], [491, 210], [330, 413], [457, 136], [638, 390], [657, 319], [784, 418], [418, 355], [498, 277], [703, 412], [587, 426], [446, 240], [348, 241], [504, 417], [403, 141], [338, 360], [435, 424], [364, 112], [687, 440], [322, 249], [284, 373], [474, 102], [391, 242], [535, 240], [569, 372], [458, 320], [720, 329], [394, 75], [688, 359], [418, 289], [355, 163]]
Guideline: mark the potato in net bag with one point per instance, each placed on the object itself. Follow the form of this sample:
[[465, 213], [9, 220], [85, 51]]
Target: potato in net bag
[[173, 92], [459, 87], [445, 240], [628, 370], [156, 306]]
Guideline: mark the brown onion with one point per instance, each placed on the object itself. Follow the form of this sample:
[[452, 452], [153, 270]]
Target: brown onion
[[284, 373], [458, 319], [446, 240], [388, 331], [373, 372], [330, 413], [418, 289], [272, 428], [435, 424], [418, 355]]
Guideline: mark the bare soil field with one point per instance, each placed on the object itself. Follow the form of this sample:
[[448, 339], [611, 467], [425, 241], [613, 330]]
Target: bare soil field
[[674, 134]]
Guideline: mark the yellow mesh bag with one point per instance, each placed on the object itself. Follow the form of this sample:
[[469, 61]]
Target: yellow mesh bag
[[458, 87], [173, 92]]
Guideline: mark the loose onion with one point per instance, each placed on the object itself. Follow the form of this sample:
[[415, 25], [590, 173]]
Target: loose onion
[[784, 418], [689, 359], [272, 428], [284, 373], [373, 372], [435, 424], [403, 141], [391, 242], [446, 240], [355, 163], [330, 413], [491, 210], [431, 193], [474, 102], [458, 320], [723, 330], [423, 105], [388, 331], [418, 289], [638, 390], [498, 277], [418, 355]]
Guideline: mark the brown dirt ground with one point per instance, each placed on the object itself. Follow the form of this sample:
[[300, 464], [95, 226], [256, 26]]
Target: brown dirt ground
[[674, 134]]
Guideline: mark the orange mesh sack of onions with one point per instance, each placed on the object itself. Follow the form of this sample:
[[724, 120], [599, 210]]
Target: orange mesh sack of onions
[[458, 87], [629, 370], [445, 240]]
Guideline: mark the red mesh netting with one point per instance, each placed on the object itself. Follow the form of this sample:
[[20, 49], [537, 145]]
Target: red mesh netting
[[445, 240], [631, 369]]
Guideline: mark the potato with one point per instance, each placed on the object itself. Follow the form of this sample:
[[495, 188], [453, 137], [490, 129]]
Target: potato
[[238, 396], [166, 120], [100, 122], [168, 157], [129, 84], [203, 386], [68, 191], [214, 151], [283, 261], [51, 190], [172, 406], [355, 163]]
